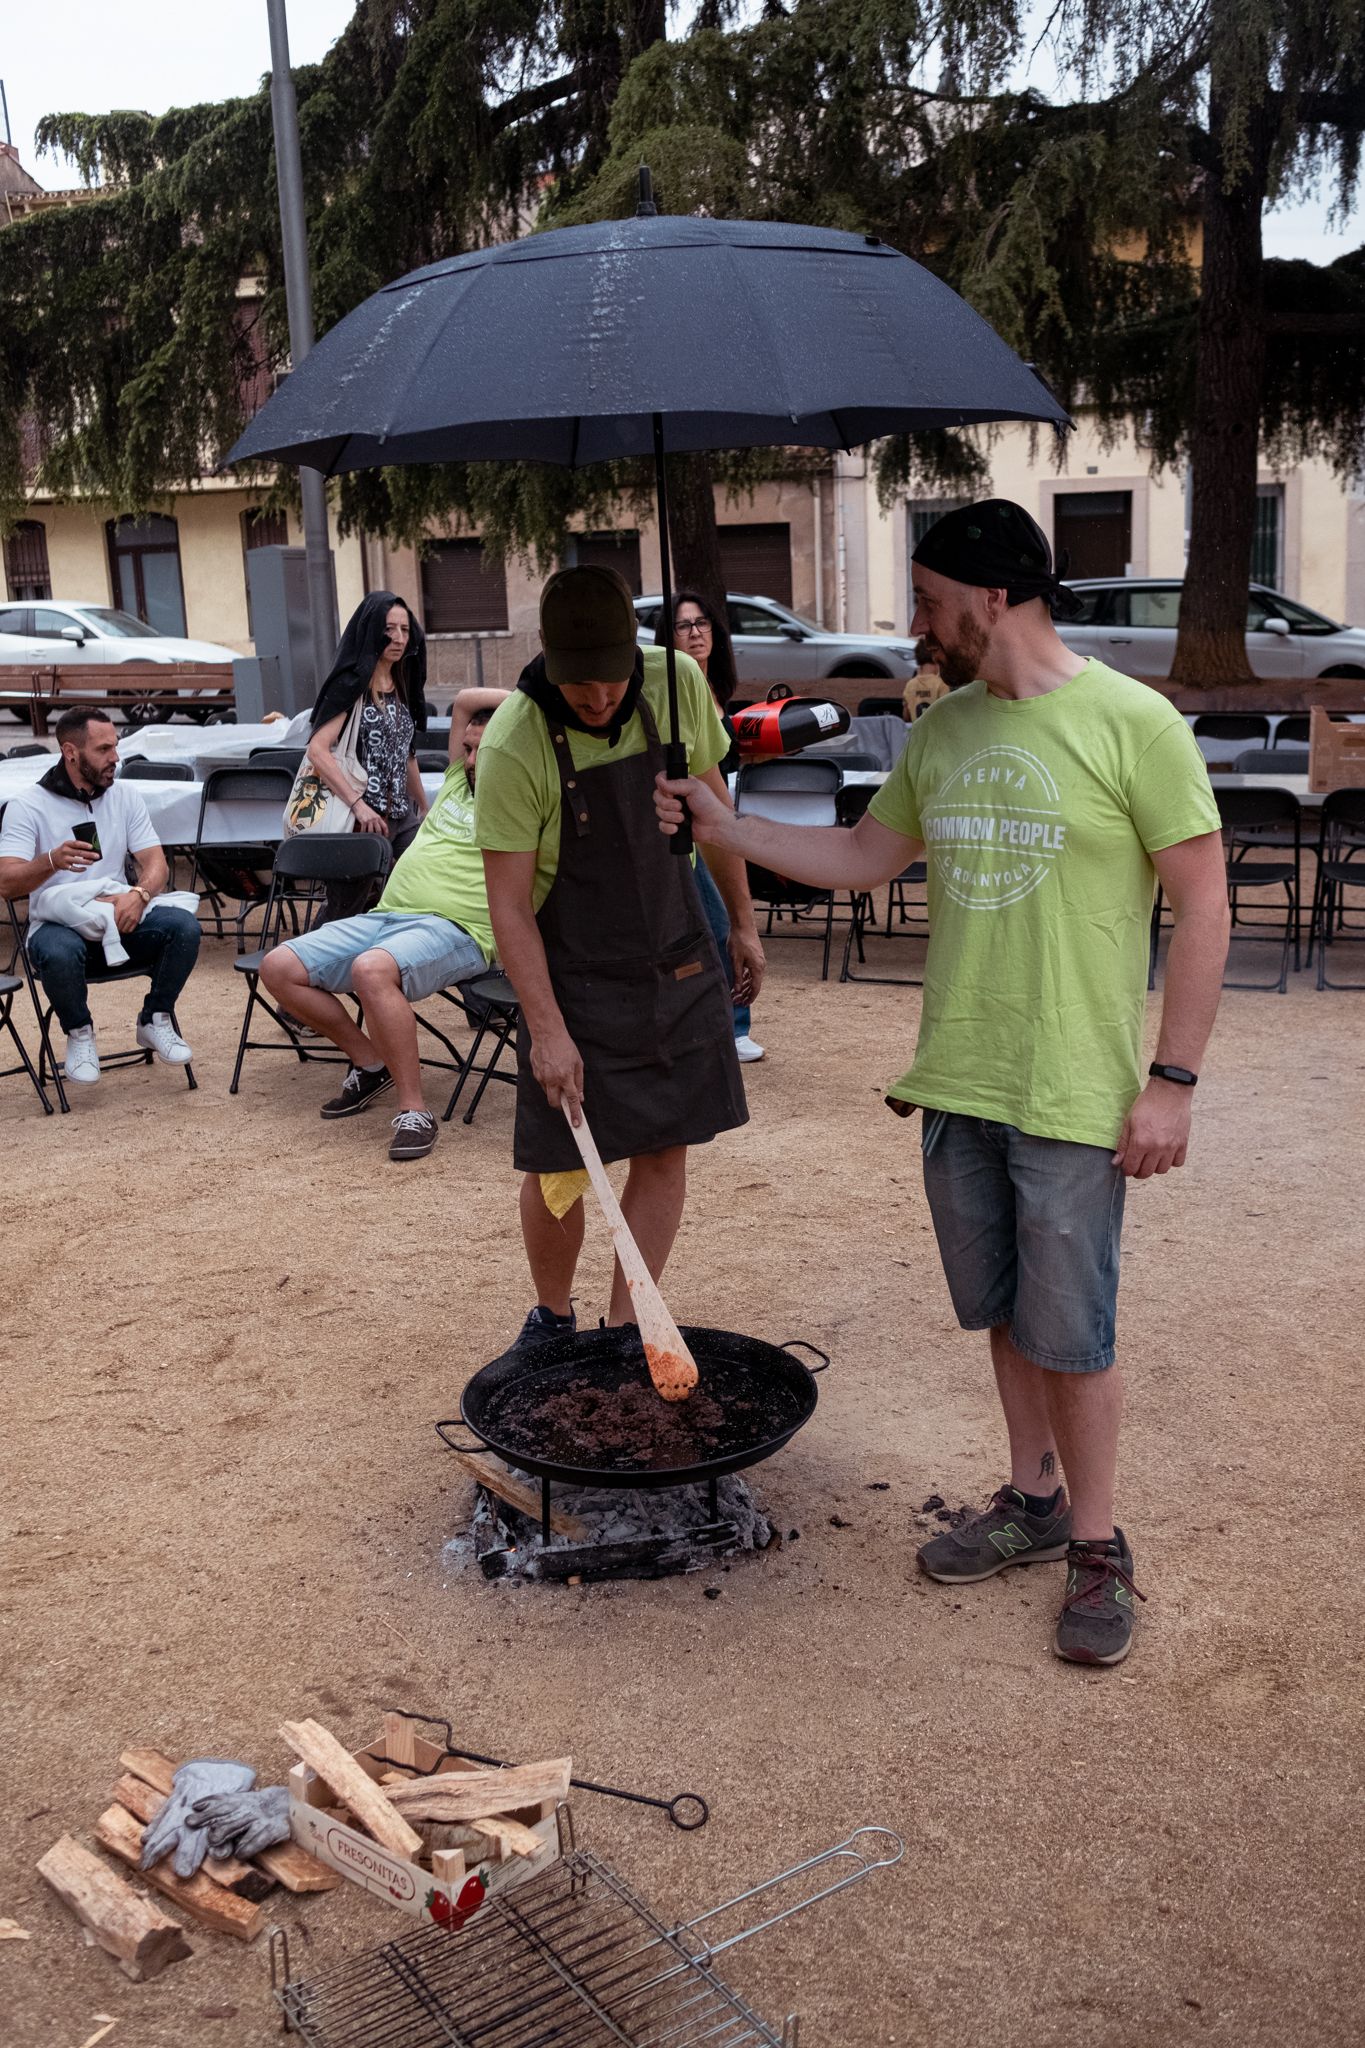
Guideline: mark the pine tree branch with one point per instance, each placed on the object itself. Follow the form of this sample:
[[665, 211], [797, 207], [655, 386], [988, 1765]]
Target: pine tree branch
[[534, 100]]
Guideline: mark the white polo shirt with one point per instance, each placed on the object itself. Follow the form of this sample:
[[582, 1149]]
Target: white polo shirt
[[39, 820]]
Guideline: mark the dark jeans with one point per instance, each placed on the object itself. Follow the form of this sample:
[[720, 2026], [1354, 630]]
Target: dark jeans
[[713, 903], [353, 899], [165, 945]]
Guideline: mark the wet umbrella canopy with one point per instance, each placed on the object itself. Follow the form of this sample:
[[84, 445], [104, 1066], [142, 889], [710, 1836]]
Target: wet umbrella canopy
[[653, 335]]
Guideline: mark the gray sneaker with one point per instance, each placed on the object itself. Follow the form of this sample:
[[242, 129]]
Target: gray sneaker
[[1096, 1621], [1002, 1534], [415, 1132]]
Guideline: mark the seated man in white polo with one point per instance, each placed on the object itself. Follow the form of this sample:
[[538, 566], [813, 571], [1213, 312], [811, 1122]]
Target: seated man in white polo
[[81, 823], [430, 928]]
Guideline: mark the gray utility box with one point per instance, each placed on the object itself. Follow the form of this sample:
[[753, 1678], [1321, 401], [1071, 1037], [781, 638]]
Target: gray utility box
[[278, 580]]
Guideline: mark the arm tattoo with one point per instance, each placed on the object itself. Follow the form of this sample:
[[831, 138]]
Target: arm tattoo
[[1048, 1466]]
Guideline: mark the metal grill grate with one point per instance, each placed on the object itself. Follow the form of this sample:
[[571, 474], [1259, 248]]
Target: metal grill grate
[[571, 1958]]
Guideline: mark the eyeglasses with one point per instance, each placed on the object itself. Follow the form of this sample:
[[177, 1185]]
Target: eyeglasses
[[694, 626]]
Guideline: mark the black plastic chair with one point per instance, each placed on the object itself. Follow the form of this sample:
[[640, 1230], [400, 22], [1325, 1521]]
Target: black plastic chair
[[430, 762], [277, 757], [25, 752], [1341, 866], [489, 1002], [1245, 813], [1293, 732], [10, 985], [881, 707], [238, 870], [901, 910], [807, 790], [847, 764], [1232, 725], [1275, 760], [139, 770], [300, 873], [96, 975]]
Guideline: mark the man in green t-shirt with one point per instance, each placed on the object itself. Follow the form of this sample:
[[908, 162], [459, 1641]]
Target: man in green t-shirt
[[429, 930], [1044, 794], [626, 1019]]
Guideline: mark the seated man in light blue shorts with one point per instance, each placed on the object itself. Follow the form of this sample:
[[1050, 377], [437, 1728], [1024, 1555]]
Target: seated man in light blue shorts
[[430, 928]]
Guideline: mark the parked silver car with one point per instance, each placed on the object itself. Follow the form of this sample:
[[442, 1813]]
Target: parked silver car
[[1131, 624], [772, 643]]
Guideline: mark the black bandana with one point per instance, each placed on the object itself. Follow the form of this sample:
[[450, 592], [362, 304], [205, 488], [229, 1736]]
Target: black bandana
[[534, 682], [996, 546], [60, 783]]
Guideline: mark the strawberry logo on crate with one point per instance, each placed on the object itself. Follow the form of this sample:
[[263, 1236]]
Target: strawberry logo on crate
[[454, 1914]]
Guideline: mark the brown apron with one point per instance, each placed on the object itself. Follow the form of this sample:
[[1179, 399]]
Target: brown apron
[[636, 975]]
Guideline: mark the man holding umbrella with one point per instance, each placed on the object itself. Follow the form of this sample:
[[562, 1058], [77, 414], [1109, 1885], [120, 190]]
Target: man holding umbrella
[[626, 1011], [1045, 791]]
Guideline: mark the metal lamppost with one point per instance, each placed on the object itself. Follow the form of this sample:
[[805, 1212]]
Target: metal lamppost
[[298, 291]]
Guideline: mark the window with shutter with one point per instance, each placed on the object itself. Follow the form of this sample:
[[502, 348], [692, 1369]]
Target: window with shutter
[[757, 560], [27, 575], [619, 551], [463, 589]]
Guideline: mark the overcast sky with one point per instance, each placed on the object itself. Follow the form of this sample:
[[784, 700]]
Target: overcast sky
[[86, 56]]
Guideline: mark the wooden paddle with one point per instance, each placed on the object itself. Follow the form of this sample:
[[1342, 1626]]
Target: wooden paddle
[[671, 1365]]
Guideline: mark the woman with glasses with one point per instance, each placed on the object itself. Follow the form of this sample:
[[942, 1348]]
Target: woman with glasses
[[695, 632]]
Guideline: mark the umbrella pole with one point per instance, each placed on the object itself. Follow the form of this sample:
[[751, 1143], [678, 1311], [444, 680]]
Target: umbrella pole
[[675, 753]]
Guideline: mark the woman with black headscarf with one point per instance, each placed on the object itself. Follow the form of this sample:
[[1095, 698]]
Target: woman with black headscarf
[[381, 663]]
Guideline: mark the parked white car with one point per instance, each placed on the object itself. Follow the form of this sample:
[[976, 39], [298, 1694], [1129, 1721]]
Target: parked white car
[[1130, 623], [59, 630], [772, 643]]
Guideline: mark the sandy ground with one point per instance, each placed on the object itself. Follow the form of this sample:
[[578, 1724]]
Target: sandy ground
[[228, 1330]]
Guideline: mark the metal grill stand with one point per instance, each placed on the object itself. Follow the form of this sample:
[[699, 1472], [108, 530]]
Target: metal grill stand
[[571, 1958]]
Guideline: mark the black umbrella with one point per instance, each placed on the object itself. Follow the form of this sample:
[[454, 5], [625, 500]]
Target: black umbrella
[[654, 335]]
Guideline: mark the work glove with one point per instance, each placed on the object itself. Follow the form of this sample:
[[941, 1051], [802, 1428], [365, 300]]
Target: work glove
[[243, 1823], [170, 1830]]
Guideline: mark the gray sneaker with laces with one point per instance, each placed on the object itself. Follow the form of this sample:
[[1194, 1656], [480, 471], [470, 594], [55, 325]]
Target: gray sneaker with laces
[[1001, 1534], [415, 1132], [1096, 1622]]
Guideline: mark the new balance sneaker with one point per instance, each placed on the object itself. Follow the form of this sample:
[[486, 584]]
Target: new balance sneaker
[[748, 1050], [415, 1132], [1096, 1622], [1003, 1533], [82, 1062], [160, 1036], [358, 1091], [542, 1326]]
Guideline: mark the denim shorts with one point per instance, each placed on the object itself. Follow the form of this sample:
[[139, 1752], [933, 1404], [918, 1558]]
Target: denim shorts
[[431, 952], [1028, 1232]]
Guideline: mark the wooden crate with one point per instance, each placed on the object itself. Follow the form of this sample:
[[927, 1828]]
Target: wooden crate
[[448, 1886], [1336, 753]]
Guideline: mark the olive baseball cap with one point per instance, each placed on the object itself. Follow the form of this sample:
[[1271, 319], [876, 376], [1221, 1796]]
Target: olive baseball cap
[[588, 627]]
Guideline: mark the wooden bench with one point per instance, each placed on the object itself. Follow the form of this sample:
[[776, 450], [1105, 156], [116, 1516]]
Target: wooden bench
[[139, 688]]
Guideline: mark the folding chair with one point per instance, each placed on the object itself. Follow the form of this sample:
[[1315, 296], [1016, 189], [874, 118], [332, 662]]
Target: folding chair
[[1233, 725], [430, 762], [300, 873], [1276, 760], [138, 770], [10, 985], [234, 870], [1244, 813], [29, 750], [792, 792], [97, 975], [489, 1001], [277, 757], [900, 910], [1341, 866], [1292, 732]]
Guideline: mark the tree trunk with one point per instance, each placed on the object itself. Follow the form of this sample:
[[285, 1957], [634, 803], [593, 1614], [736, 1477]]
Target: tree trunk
[[1225, 433], [696, 554]]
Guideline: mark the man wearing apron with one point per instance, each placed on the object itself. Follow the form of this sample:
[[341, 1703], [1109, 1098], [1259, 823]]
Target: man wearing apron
[[625, 1005]]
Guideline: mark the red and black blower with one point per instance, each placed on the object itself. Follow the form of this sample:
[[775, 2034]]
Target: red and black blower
[[784, 724]]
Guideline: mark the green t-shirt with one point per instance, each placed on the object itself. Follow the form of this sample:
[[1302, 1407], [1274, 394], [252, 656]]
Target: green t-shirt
[[441, 874], [1038, 816], [518, 783]]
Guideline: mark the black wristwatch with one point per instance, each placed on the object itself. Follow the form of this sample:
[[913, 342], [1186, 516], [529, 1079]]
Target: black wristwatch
[[1181, 1075]]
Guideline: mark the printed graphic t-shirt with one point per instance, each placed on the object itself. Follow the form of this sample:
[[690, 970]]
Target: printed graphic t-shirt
[[518, 782], [1039, 816], [441, 874]]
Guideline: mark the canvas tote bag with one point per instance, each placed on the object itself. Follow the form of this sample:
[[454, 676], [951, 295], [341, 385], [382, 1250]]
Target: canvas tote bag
[[312, 806]]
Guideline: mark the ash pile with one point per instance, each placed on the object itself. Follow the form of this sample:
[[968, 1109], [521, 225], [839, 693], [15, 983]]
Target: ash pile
[[613, 1532]]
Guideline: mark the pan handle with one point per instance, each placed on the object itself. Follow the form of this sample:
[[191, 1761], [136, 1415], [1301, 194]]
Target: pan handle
[[458, 1422], [791, 1345]]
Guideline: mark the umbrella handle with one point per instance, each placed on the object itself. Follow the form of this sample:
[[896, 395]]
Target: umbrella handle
[[677, 770]]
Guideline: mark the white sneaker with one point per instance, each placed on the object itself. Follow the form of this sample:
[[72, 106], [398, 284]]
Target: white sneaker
[[161, 1036], [748, 1050], [82, 1061]]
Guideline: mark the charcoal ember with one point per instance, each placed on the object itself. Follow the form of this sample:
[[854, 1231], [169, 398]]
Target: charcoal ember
[[934, 1502]]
